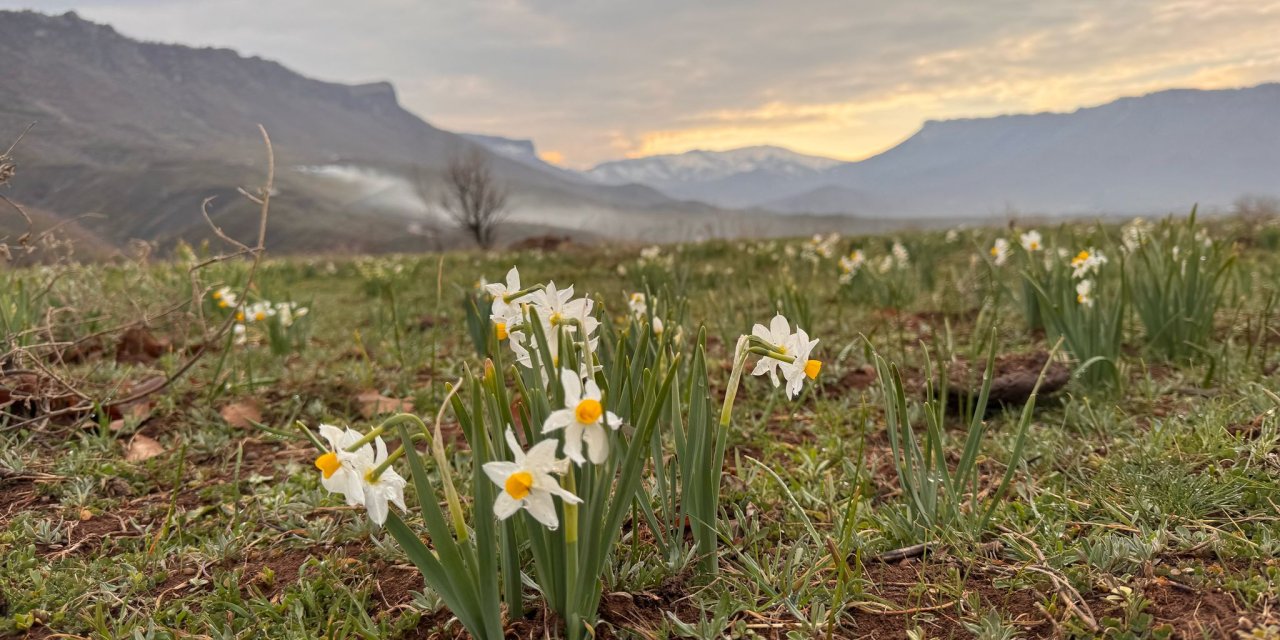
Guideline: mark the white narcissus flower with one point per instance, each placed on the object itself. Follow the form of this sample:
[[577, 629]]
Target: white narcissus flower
[[1031, 241], [1086, 262], [556, 308], [799, 347], [351, 472], [900, 255], [1000, 251], [1084, 293], [639, 304], [501, 306], [288, 312], [528, 482], [851, 264], [583, 419], [795, 345], [225, 298], [777, 334]]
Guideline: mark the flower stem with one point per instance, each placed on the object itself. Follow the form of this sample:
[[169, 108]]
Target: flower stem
[[523, 292], [372, 435], [573, 623]]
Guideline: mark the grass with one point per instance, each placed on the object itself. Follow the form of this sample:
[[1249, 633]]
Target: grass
[[1145, 507]]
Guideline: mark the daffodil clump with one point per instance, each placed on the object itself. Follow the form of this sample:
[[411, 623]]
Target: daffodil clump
[[819, 248], [555, 475], [888, 278], [1180, 273], [275, 323], [1004, 254], [1081, 296]]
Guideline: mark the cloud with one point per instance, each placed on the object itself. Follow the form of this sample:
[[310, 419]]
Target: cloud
[[595, 80]]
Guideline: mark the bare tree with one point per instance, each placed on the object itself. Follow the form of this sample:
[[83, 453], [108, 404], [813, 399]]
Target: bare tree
[[475, 200]]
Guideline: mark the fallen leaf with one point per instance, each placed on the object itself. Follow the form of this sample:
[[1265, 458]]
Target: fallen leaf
[[242, 415], [373, 404], [139, 346], [142, 448]]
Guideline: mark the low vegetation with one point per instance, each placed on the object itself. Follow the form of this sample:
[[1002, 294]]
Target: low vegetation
[[998, 433]]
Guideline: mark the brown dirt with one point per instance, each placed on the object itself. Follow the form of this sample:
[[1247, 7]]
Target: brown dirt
[[88, 535], [854, 380], [1192, 613], [17, 493], [544, 243]]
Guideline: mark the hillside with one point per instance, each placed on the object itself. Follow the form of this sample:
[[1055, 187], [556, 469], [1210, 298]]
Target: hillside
[[142, 132], [1150, 154]]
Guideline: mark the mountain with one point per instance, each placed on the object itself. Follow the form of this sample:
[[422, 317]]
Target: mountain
[[142, 133], [735, 178], [1152, 154], [1157, 153], [522, 151]]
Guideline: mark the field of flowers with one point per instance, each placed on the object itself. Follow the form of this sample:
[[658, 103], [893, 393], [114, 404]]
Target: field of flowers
[[1059, 431]]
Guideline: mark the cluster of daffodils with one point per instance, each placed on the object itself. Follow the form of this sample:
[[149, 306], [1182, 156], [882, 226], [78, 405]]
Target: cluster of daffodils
[[1083, 265], [1134, 234], [898, 258], [225, 298], [1001, 250], [784, 352], [556, 310], [820, 247], [283, 314], [358, 467], [654, 257], [851, 264]]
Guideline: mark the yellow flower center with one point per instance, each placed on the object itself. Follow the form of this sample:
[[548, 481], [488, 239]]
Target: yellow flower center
[[500, 329], [588, 411], [812, 368], [519, 484], [240, 316], [328, 464], [556, 318], [1080, 258], [217, 295], [995, 251], [260, 316], [1035, 246], [222, 304]]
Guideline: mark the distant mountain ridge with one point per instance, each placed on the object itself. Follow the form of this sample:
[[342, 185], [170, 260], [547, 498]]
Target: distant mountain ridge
[[143, 132], [725, 178], [1155, 153]]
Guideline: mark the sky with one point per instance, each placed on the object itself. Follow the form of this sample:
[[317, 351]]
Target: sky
[[596, 80]]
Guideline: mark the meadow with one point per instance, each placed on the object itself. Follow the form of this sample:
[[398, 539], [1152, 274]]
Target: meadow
[[1060, 431]]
